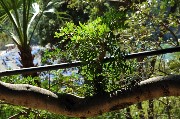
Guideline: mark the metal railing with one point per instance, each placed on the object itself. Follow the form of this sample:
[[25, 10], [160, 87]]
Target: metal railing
[[80, 63]]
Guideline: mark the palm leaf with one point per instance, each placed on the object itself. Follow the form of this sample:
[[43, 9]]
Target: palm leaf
[[36, 10], [8, 8], [21, 14]]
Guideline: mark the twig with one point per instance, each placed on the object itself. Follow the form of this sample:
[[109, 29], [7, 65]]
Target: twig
[[17, 115]]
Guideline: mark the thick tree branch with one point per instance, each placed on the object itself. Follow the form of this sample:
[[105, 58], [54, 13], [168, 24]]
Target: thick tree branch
[[70, 105]]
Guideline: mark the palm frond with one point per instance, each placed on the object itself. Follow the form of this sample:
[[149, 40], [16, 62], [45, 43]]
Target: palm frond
[[8, 8]]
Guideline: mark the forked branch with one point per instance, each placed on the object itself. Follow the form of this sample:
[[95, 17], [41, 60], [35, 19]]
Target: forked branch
[[70, 105]]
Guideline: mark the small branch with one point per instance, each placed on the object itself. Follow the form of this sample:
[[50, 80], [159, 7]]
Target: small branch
[[18, 115], [172, 33], [70, 105], [166, 27]]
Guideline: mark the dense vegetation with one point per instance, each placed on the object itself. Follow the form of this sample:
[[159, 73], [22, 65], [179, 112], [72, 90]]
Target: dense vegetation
[[89, 31]]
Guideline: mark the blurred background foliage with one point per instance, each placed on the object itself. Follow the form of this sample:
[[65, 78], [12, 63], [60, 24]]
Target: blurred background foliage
[[89, 30]]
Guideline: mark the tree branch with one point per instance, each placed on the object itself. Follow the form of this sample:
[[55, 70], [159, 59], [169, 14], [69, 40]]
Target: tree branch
[[70, 105]]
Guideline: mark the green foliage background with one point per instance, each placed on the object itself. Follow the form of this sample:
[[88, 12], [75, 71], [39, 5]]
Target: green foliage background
[[109, 31]]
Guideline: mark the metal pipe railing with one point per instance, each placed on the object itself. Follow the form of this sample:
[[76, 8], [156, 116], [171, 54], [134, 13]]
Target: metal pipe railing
[[80, 63]]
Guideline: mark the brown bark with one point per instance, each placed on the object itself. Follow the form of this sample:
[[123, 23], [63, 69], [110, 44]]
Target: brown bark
[[27, 61], [26, 57], [141, 73], [140, 108], [151, 110], [128, 113], [70, 105]]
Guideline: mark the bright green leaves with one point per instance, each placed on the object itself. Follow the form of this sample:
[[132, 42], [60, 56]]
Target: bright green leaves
[[93, 30], [116, 33], [90, 31], [87, 38], [91, 42], [64, 31], [115, 19]]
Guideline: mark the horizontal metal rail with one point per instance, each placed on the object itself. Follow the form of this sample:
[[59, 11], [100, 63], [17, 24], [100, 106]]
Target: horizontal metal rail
[[80, 63]]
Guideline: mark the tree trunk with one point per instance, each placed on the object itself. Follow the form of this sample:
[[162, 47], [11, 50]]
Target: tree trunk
[[27, 61], [141, 114], [128, 113], [140, 73], [26, 56], [151, 105], [99, 81], [151, 110], [168, 109]]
